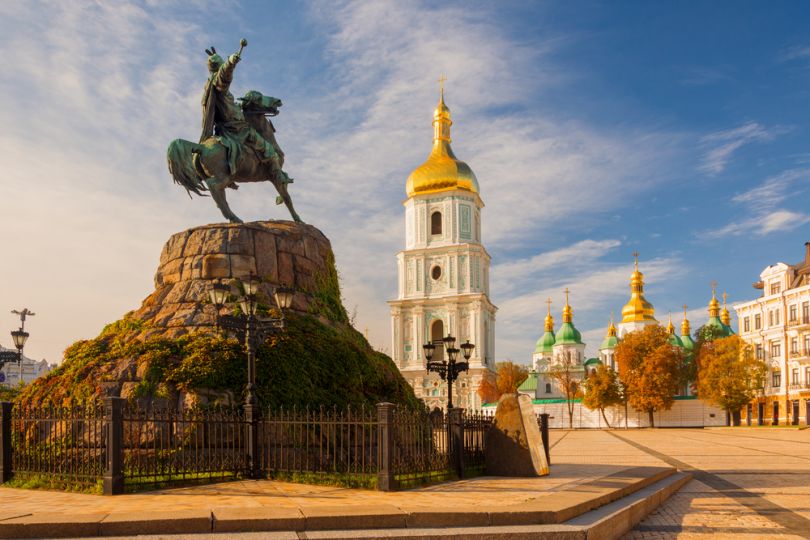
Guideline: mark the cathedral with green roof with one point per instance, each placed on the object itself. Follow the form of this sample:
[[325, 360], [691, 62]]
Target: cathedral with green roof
[[553, 348]]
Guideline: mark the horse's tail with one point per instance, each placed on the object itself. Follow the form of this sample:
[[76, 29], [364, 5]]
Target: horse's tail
[[181, 165]]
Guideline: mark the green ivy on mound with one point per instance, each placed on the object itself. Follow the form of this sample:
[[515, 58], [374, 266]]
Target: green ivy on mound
[[313, 363]]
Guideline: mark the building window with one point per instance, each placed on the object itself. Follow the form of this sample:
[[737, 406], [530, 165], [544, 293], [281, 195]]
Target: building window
[[760, 352], [807, 345], [776, 288], [436, 272], [770, 318], [436, 223], [793, 312], [548, 388], [776, 348], [794, 346], [794, 376], [757, 321], [776, 316], [807, 377], [746, 324], [806, 312], [776, 379]]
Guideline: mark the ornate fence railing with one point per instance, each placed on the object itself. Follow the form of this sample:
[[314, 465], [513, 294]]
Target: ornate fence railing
[[65, 443], [126, 448]]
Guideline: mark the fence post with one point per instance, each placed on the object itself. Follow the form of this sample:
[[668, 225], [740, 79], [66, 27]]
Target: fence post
[[544, 435], [5, 441], [114, 435], [455, 423], [385, 447]]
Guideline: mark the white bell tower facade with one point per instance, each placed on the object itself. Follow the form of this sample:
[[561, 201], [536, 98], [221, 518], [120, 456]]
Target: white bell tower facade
[[443, 285]]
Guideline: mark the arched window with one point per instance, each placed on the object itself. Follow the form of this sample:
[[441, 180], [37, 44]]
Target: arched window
[[436, 223]]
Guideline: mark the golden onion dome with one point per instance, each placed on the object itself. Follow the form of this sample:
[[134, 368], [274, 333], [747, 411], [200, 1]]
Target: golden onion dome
[[685, 327], [637, 308], [725, 316], [442, 171], [549, 326], [714, 305]]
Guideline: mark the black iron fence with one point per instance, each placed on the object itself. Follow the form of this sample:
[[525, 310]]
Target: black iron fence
[[126, 448]]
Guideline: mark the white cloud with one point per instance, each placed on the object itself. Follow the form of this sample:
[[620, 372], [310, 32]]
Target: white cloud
[[721, 145], [761, 205]]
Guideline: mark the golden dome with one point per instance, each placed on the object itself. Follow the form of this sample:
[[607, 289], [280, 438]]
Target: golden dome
[[714, 305], [442, 171], [725, 316], [549, 327], [637, 308], [611, 331], [685, 328], [670, 326], [568, 313]]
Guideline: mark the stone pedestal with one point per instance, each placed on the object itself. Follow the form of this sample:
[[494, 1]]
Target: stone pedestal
[[281, 253], [513, 445]]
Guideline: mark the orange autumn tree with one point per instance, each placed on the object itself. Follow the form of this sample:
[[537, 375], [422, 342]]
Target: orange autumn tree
[[729, 374], [650, 368], [506, 380]]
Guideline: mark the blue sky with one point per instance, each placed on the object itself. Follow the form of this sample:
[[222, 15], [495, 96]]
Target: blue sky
[[679, 130]]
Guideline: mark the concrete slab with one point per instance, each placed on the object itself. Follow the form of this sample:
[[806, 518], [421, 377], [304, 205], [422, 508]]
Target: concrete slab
[[52, 526], [258, 519], [175, 522], [381, 516], [533, 532], [444, 517]]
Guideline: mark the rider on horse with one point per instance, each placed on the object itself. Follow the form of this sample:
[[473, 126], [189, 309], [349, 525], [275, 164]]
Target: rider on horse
[[224, 118]]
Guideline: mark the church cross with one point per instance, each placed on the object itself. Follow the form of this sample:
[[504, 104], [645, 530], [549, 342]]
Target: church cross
[[548, 301], [442, 79], [684, 310], [566, 296], [725, 296], [714, 287], [635, 256]]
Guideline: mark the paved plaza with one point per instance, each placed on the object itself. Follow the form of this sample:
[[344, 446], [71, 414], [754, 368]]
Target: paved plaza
[[748, 483]]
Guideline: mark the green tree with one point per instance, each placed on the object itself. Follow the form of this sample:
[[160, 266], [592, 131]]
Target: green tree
[[650, 369], [729, 374], [602, 390]]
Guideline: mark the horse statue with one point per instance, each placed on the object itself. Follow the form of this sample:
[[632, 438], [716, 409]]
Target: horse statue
[[220, 162]]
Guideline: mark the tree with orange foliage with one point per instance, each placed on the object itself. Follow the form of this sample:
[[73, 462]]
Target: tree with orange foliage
[[728, 374], [563, 371], [506, 380], [650, 368]]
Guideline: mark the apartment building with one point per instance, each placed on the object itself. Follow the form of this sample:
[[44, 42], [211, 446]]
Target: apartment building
[[777, 324]]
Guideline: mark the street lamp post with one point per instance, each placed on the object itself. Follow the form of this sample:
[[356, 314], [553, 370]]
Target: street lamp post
[[19, 337], [449, 369], [252, 330]]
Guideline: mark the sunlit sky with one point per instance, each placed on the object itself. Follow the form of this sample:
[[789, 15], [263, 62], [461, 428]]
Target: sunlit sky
[[678, 130]]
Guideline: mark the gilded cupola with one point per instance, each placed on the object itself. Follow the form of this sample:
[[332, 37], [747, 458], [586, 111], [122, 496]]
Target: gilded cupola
[[568, 334], [637, 308], [686, 330], [725, 316], [611, 338], [442, 171], [546, 342]]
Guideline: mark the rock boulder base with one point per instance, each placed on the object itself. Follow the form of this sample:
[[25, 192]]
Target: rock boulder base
[[513, 443]]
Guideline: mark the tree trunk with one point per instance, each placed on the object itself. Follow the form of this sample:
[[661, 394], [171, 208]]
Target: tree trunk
[[570, 415], [602, 410], [652, 419]]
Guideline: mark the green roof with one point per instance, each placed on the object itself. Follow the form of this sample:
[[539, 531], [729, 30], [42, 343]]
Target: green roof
[[609, 342], [715, 321], [545, 343], [593, 361], [688, 342], [675, 341], [530, 384], [568, 335]]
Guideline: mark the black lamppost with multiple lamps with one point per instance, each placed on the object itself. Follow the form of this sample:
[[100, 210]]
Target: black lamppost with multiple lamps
[[449, 369], [252, 330], [19, 337]]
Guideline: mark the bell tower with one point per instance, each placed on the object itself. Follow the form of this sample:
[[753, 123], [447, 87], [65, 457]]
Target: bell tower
[[443, 284]]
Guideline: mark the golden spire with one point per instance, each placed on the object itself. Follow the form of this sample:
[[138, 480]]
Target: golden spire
[[442, 171], [670, 326], [611, 332], [714, 305], [725, 316], [549, 318], [637, 308], [685, 328], [568, 314]]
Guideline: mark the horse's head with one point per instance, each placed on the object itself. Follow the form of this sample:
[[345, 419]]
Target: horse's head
[[256, 103]]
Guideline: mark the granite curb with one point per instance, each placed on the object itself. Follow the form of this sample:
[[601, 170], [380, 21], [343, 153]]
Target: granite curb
[[553, 509]]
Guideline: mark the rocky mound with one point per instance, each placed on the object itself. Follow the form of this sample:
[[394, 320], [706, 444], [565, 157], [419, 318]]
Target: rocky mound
[[168, 353]]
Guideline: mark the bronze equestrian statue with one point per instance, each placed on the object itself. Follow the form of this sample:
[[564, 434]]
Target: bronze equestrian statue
[[237, 143]]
